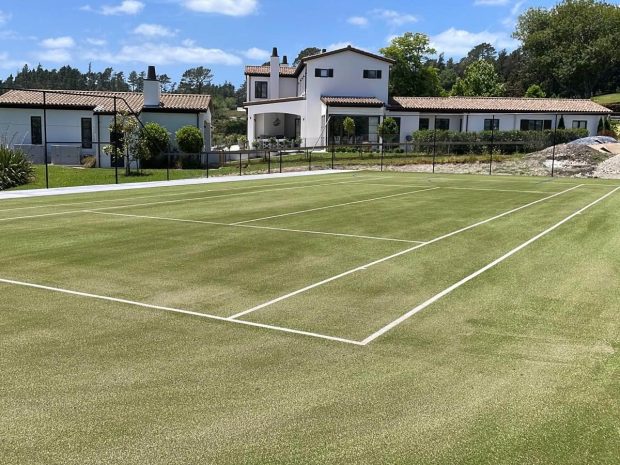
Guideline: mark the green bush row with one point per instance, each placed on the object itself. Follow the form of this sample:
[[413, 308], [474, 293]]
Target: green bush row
[[505, 141]]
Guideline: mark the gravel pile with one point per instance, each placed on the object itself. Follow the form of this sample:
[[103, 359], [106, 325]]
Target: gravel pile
[[609, 169], [570, 160], [593, 140]]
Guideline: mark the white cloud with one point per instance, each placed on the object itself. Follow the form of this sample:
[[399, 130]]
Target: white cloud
[[4, 17], [162, 54], [153, 30], [7, 63], [255, 53], [457, 42], [58, 42], [491, 2], [395, 18], [126, 7], [511, 20], [96, 42], [358, 21], [224, 7], [59, 55]]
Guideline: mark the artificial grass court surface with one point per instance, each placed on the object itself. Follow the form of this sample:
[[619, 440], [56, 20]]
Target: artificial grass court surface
[[518, 365]]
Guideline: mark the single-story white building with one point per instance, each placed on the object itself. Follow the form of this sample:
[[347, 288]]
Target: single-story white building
[[74, 124], [310, 101]]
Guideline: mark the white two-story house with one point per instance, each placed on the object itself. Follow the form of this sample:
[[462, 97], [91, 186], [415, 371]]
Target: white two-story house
[[298, 102], [310, 101]]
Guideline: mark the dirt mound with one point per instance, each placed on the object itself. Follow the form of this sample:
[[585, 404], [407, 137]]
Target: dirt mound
[[570, 160], [609, 169]]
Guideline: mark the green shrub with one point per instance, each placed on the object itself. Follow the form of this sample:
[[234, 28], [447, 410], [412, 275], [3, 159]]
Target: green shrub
[[190, 139], [15, 168], [154, 139], [460, 143]]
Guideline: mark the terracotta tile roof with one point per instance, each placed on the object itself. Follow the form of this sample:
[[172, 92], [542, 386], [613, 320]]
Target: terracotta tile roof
[[103, 102], [352, 101], [285, 71], [496, 104]]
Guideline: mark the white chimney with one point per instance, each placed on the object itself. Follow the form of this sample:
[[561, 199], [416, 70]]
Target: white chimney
[[274, 75], [152, 89]]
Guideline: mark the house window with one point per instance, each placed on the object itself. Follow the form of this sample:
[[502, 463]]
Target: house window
[[36, 130], [580, 124], [491, 124], [535, 124], [260, 89], [372, 74], [324, 72], [87, 133], [443, 124], [424, 124]]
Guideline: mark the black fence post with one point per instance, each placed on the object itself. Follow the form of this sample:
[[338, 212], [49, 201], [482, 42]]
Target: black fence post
[[207, 164], [47, 176], [309, 157], [492, 144], [115, 147], [268, 154], [434, 146], [381, 156], [168, 166], [333, 154], [280, 154], [240, 156], [553, 151]]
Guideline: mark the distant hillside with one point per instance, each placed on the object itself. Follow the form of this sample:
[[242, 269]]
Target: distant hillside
[[611, 101]]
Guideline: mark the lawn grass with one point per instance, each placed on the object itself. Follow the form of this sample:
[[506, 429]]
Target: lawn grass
[[607, 99], [519, 365]]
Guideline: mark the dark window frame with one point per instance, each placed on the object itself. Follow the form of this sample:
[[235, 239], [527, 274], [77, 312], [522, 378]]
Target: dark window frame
[[424, 124], [87, 133], [442, 124], [324, 72], [488, 122], [535, 124], [372, 74], [579, 124], [36, 130], [261, 89]]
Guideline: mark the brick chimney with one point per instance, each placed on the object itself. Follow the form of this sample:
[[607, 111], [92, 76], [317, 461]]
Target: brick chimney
[[274, 75], [152, 89]]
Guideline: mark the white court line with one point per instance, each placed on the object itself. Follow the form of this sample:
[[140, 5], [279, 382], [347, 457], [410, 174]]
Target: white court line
[[204, 197], [461, 188], [458, 284], [398, 254], [197, 190], [216, 223], [334, 206], [177, 310]]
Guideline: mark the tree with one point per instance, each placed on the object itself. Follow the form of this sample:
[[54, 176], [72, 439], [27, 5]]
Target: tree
[[348, 124], [153, 140], [194, 80], [572, 48], [480, 80], [125, 130], [190, 139], [412, 75], [535, 91], [561, 124], [388, 129], [306, 52]]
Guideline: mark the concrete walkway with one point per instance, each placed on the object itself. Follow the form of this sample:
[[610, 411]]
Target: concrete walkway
[[147, 185]]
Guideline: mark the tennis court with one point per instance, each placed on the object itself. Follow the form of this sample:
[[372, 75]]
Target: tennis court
[[358, 265]]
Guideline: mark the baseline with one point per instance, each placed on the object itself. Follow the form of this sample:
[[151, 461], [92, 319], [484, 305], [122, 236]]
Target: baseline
[[177, 310]]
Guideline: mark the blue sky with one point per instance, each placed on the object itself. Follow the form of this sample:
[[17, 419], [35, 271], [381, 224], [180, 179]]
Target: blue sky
[[226, 34]]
